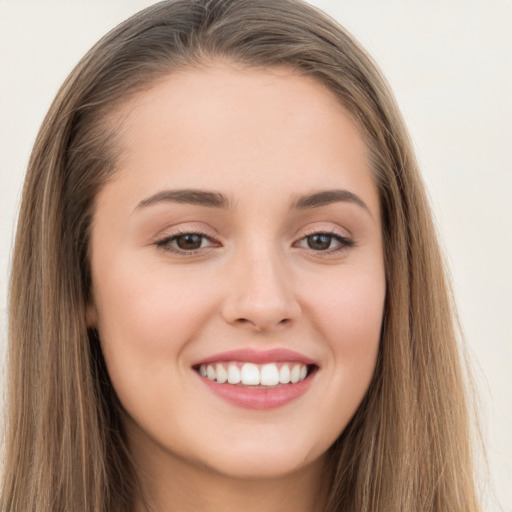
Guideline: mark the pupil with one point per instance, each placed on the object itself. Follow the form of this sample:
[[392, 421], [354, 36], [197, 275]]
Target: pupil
[[189, 242], [319, 242]]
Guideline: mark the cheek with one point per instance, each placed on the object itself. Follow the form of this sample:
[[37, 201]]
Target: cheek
[[346, 309], [144, 316], [349, 310], [147, 316]]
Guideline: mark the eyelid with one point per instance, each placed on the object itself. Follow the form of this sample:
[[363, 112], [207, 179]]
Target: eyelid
[[164, 241], [345, 241]]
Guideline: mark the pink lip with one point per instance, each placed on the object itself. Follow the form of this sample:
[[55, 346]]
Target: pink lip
[[254, 398], [249, 355], [258, 398]]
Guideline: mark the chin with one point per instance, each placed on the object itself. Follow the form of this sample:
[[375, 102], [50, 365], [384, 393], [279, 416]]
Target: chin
[[265, 466], [268, 457]]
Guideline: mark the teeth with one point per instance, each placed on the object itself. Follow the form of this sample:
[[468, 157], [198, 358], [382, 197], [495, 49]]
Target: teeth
[[222, 374], [284, 374], [250, 374], [210, 372], [233, 374], [295, 374], [269, 375]]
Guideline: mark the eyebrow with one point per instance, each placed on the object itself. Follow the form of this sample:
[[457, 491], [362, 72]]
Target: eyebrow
[[217, 200], [327, 197], [187, 196]]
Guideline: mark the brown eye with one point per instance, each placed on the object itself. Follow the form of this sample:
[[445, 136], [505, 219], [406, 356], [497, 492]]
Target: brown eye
[[189, 242], [325, 243], [319, 241], [186, 243]]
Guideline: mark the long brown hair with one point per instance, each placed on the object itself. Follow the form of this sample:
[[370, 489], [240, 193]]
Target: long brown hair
[[408, 446]]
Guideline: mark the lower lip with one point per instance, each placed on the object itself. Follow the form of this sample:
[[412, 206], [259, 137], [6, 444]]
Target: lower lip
[[254, 398]]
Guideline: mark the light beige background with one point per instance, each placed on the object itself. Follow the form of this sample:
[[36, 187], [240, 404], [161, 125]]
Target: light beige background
[[450, 65]]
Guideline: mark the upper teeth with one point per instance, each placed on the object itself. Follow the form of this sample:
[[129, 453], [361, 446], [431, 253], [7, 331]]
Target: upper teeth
[[254, 375]]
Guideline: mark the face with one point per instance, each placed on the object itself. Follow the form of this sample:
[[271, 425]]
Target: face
[[237, 267]]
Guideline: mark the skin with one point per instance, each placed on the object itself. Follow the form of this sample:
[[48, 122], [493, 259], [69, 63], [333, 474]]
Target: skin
[[262, 138]]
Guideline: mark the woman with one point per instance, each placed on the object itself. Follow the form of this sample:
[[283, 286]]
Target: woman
[[226, 289]]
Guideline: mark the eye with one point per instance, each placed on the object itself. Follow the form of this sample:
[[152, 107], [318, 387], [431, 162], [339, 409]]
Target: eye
[[325, 242], [185, 242], [190, 241]]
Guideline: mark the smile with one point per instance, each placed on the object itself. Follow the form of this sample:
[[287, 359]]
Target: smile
[[250, 374], [257, 380]]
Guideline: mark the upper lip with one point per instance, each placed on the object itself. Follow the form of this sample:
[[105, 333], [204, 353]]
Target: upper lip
[[250, 355]]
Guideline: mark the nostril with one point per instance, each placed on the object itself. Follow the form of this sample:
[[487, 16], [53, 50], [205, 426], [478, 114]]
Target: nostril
[[261, 326], [245, 322]]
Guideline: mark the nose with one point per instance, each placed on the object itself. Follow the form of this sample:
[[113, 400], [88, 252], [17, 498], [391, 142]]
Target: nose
[[261, 293]]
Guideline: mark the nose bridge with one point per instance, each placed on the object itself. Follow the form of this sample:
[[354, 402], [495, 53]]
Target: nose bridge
[[261, 293]]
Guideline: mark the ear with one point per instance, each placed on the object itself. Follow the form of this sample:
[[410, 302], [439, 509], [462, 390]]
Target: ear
[[91, 315]]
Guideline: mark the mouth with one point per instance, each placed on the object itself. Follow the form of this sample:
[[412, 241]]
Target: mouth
[[257, 380], [253, 375]]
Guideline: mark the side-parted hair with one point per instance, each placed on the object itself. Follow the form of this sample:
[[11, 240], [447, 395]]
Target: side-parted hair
[[408, 447]]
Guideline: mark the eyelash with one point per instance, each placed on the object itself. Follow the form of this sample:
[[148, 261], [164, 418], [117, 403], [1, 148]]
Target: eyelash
[[344, 242], [165, 243]]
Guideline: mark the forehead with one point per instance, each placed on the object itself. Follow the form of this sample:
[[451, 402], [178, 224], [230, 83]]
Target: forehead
[[226, 125]]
